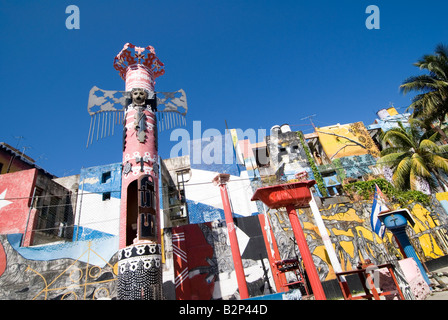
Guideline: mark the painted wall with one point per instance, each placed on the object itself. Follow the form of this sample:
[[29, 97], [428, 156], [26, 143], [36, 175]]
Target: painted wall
[[348, 225], [359, 142], [442, 197], [389, 118], [286, 151], [203, 198], [16, 190], [98, 205], [354, 166], [18, 163], [82, 270], [203, 260]]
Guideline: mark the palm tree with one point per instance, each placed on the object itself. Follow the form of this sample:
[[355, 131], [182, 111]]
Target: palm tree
[[413, 154], [431, 105]]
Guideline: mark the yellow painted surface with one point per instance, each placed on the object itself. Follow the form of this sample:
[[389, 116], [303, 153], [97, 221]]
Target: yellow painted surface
[[442, 196], [350, 215], [338, 232], [364, 232], [322, 253], [424, 222], [338, 146], [348, 247], [345, 222], [392, 111]]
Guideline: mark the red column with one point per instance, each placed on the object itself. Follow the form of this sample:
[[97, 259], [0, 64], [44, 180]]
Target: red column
[[311, 271], [279, 278], [237, 262]]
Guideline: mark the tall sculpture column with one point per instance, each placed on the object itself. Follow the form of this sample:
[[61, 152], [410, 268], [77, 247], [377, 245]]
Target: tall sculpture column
[[140, 267]]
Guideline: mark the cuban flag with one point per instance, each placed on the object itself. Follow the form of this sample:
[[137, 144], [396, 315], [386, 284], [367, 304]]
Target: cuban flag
[[378, 206]]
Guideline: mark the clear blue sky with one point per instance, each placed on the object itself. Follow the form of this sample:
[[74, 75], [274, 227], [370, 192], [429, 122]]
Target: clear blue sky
[[252, 63]]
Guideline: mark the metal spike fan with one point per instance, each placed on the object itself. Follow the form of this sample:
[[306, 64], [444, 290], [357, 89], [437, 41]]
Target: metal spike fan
[[106, 108]]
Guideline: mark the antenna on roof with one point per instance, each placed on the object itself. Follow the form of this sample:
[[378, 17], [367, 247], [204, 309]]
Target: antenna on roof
[[309, 117]]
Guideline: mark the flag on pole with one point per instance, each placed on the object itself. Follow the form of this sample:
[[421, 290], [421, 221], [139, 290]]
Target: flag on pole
[[378, 206]]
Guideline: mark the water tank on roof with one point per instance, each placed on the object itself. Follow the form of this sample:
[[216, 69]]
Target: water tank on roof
[[275, 130], [383, 114], [285, 128]]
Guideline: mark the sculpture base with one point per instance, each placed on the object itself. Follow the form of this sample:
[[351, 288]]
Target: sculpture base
[[140, 272]]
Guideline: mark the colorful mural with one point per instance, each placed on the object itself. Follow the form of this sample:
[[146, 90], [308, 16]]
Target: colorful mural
[[348, 225], [197, 259], [203, 199], [98, 202], [16, 190], [351, 166], [347, 140], [442, 197], [71, 271], [203, 260]]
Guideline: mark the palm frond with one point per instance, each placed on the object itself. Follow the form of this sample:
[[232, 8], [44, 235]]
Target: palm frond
[[391, 150], [418, 166], [443, 151], [422, 83], [439, 162], [392, 160], [401, 174], [429, 145], [397, 137]]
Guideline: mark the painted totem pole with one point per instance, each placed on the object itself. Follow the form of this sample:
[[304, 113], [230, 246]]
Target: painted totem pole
[[140, 259], [139, 256]]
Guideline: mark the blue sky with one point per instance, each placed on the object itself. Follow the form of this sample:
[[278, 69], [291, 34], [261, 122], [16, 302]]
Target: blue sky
[[252, 63]]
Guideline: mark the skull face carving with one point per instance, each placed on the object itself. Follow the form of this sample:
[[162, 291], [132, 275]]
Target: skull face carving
[[138, 96]]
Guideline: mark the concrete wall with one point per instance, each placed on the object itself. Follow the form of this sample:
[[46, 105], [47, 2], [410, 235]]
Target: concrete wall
[[98, 205], [348, 225], [346, 140], [82, 270], [203, 198], [10, 159], [203, 263], [18, 188]]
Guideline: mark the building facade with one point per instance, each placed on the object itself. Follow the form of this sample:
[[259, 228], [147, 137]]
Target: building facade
[[59, 237]]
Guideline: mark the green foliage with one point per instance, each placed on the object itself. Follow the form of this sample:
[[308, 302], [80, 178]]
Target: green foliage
[[413, 154], [317, 176], [366, 190], [431, 102]]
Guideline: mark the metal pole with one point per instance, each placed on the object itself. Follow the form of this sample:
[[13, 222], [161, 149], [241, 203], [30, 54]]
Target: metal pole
[[80, 208], [238, 264], [310, 267], [403, 239], [28, 219]]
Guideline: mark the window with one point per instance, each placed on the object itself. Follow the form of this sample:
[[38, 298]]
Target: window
[[261, 157], [106, 196], [182, 177], [106, 176], [180, 210]]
